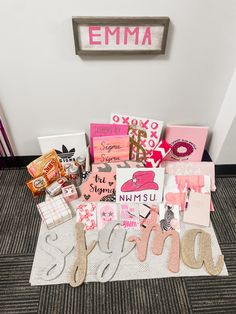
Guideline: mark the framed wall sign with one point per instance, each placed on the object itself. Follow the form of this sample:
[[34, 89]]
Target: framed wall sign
[[122, 35]]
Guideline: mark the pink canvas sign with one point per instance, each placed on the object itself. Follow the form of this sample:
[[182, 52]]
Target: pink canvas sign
[[206, 168], [144, 134], [187, 142], [111, 148], [100, 186], [97, 129]]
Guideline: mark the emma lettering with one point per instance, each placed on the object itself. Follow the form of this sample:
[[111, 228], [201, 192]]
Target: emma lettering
[[147, 36], [92, 35], [108, 32], [119, 35], [134, 32]]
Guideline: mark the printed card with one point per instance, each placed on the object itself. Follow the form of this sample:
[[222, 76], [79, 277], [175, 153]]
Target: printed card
[[86, 213], [99, 187], [169, 217], [108, 149], [148, 214], [139, 185], [97, 130], [144, 134], [106, 212], [177, 187], [129, 215]]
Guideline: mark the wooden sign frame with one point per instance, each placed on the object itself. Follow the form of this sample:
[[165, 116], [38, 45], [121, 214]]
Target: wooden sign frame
[[79, 22]]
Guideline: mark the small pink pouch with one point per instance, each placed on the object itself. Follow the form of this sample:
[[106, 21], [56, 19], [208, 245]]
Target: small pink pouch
[[69, 193]]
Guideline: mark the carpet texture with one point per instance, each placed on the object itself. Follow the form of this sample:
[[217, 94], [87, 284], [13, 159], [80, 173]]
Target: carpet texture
[[19, 228]]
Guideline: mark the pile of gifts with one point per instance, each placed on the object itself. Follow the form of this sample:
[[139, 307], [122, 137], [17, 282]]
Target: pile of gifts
[[128, 174]]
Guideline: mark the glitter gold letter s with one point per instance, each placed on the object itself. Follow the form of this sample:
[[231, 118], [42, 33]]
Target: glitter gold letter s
[[136, 143]]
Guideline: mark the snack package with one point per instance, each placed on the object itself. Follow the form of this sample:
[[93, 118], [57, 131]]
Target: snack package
[[44, 170], [47, 165], [38, 185]]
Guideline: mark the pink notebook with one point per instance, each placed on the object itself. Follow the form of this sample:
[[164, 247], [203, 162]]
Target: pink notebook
[[187, 142], [198, 211], [107, 129]]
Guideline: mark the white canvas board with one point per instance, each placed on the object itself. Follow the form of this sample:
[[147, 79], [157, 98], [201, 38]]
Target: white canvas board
[[68, 146]]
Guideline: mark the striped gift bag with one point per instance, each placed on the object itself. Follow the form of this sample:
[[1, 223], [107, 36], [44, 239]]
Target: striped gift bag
[[5, 145]]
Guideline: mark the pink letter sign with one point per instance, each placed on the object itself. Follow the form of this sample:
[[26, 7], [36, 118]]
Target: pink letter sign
[[107, 129], [111, 148]]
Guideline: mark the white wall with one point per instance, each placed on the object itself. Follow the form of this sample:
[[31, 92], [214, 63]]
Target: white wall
[[228, 152], [223, 143], [46, 89]]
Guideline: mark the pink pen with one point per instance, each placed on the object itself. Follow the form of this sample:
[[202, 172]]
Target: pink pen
[[187, 198]]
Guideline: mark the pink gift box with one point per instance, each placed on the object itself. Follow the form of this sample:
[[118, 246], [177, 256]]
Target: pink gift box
[[69, 193]]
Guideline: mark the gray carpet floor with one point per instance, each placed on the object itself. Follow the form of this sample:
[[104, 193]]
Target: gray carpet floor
[[19, 228]]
